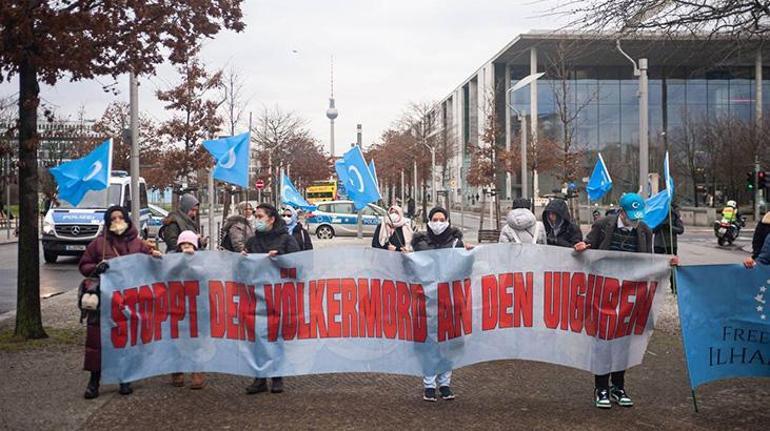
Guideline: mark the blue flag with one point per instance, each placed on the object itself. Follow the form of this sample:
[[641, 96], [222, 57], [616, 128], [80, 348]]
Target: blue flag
[[92, 172], [232, 156], [291, 196], [657, 207], [373, 170], [359, 181], [600, 182], [725, 321]]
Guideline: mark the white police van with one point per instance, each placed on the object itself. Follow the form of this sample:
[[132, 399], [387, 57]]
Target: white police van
[[67, 229]]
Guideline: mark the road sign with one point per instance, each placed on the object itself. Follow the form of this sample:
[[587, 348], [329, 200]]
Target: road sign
[[260, 184]]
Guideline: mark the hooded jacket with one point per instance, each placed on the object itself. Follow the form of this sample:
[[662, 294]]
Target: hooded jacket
[[299, 232], [565, 232], [237, 230], [106, 246], [178, 221], [277, 238], [109, 245], [521, 227]]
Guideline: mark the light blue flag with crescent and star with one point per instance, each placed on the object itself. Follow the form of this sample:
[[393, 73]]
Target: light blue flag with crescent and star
[[291, 196], [373, 170], [600, 182], [232, 156], [657, 207], [92, 172], [358, 179]]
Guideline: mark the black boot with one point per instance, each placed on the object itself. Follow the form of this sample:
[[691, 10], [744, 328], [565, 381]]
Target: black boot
[[92, 389], [276, 385], [125, 389], [257, 386]]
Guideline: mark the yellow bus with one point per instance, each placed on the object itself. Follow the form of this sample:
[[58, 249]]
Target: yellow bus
[[322, 191]]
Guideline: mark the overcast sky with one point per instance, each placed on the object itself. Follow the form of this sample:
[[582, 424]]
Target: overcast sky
[[386, 54]]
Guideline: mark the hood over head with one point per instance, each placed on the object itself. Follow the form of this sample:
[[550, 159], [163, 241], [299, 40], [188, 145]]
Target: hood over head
[[558, 207], [520, 219], [187, 202]]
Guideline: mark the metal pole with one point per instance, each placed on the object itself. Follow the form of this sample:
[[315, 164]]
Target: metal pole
[[8, 196], [507, 77], [533, 112], [359, 135], [270, 171], [414, 181], [524, 175], [758, 122], [462, 202], [134, 162], [403, 190], [211, 208], [644, 146], [433, 175], [248, 188]]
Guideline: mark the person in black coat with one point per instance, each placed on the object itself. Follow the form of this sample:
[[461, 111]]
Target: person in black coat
[[295, 228], [440, 234], [271, 237], [560, 229]]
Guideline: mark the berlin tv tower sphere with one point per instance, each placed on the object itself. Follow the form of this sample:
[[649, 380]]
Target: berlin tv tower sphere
[[331, 113]]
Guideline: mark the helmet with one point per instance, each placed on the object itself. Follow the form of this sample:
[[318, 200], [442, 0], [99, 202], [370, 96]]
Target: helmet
[[189, 237], [732, 204]]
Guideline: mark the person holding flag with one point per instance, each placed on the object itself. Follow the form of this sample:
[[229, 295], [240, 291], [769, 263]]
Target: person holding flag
[[394, 232]]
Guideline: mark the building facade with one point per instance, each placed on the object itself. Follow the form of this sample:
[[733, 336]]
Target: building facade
[[588, 98]]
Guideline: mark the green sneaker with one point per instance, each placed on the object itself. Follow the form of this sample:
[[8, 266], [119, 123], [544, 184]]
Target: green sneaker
[[602, 399], [620, 397]]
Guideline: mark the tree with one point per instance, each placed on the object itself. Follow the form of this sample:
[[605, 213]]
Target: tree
[[44, 40], [733, 18], [195, 119], [284, 141], [233, 108]]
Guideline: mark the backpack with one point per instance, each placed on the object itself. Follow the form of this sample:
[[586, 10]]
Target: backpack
[[162, 231]]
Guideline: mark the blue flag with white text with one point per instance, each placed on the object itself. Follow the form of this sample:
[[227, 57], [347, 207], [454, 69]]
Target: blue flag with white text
[[725, 321], [232, 157], [291, 196], [600, 182], [92, 172], [359, 181]]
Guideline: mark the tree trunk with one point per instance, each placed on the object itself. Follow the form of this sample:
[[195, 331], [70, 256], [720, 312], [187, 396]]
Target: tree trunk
[[483, 209], [29, 322]]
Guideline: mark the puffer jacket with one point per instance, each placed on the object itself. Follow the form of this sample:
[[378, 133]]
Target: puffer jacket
[[450, 238], [278, 238], [237, 230], [522, 227], [565, 232]]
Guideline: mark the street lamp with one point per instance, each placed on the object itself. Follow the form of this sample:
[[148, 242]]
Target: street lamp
[[640, 70], [523, 120]]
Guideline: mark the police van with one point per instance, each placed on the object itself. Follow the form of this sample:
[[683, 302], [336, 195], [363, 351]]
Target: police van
[[68, 229]]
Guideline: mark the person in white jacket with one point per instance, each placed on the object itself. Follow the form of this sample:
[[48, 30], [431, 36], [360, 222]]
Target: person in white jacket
[[522, 226]]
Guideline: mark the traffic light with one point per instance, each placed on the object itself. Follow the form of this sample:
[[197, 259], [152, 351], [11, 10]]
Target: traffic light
[[762, 180], [750, 181]]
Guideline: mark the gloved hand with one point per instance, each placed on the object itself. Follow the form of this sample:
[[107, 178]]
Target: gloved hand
[[101, 268]]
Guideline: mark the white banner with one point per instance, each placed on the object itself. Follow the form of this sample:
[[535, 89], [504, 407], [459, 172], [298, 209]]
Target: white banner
[[370, 310]]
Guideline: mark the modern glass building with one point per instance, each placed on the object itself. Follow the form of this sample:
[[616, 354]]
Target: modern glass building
[[590, 89]]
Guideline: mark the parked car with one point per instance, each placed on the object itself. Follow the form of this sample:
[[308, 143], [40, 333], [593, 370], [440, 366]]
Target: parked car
[[339, 218], [157, 214]]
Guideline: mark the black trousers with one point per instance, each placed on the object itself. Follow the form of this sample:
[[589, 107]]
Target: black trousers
[[603, 381]]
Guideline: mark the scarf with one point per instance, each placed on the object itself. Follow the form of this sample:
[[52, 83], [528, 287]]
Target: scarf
[[388, 228], [294, 219]]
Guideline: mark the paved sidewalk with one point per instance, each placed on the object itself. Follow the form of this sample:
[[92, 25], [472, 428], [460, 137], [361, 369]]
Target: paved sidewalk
[[42, 389]]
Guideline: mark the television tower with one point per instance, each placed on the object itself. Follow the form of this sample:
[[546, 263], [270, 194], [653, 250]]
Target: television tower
[[332, 113]]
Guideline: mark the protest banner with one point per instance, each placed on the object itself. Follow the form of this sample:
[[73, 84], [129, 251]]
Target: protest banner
[[370, 310], [725, 321]]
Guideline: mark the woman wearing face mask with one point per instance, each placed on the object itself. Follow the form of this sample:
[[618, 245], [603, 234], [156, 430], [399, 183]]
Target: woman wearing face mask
[[295, 228], [394, 233], [120, 238], [271, 237], [440, 234]]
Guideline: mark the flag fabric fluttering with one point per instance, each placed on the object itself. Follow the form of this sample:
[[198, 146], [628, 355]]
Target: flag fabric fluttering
[[600, 182], [657, 207], [373, 170], [359, 181], [291, 196], [232, 158], [77, 177]]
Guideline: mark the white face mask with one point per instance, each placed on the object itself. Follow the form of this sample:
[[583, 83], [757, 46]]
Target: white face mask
[[287, 219], [395, 218], [118, 227], [438, 227]]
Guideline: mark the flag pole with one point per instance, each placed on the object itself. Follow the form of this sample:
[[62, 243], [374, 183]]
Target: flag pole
[[211, 207], [694, 400]]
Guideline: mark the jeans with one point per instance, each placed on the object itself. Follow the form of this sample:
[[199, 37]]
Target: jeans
[[444, 379], [603, 381]]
